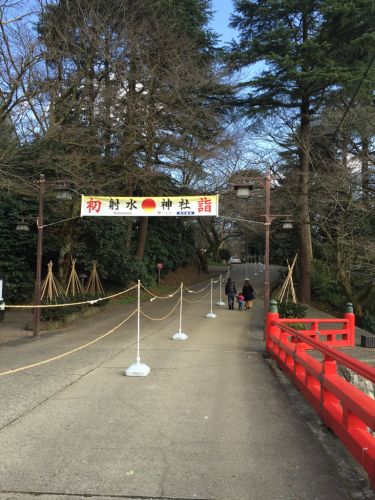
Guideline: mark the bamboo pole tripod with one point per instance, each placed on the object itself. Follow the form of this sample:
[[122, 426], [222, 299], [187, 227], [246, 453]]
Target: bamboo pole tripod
[[51, 286], [288, 286], [94, 286], [74, 283]]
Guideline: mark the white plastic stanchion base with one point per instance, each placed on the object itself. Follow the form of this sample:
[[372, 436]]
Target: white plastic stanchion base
[[210, 315], [137, 370], [179, 336], [220, 303]]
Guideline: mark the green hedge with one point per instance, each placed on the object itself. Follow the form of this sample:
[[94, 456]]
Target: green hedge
[[55, 313], [291, 310]]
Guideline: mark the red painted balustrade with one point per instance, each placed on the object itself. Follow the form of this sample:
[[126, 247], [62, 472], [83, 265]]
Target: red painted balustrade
[[344, 408]]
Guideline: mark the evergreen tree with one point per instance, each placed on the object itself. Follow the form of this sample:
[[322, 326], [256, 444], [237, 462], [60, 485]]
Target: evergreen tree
[[305, 47]]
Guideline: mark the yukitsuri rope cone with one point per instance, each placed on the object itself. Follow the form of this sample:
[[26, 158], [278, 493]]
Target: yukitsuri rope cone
[[74, 283], [93, 285], [288, 284], [52, 286]]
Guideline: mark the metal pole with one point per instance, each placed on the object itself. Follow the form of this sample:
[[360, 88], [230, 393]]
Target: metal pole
[[38, 284], [212, 282], [267, 255], [139, 317], [180, 308], [255, 267], [220, 287]]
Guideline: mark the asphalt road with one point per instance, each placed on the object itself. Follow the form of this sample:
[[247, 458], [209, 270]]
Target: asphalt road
[[210, 421]]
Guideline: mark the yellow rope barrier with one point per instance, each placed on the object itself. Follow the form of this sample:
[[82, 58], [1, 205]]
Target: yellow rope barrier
[[76, 303], [161, 319], [70, 352], [196, 301], [199, 291], [160, 297]]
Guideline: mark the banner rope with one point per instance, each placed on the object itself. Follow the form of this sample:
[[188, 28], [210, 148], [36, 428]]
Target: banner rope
[[199, 291], [196, 301], [75, 303], [157, 296], [161, 319], [70, 352]]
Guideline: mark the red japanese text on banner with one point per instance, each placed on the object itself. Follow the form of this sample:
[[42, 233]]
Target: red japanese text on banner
[[160, 207]]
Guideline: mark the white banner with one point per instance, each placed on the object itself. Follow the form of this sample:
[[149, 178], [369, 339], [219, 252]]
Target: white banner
[[160, 207]]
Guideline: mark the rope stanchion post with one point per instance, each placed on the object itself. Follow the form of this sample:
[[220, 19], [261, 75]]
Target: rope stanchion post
[[246, 271], [138, 369], [211, 314], [180, 335], [220, 303], [260, 263], [255, 268]]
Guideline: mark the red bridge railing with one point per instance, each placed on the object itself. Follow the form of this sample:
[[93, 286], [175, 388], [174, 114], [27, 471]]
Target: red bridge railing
[[344, 408]]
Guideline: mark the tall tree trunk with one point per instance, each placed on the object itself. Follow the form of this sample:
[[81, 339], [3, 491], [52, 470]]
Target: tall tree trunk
[[365, 173], [304, 230], [202, 257], [304, 234], [142, 235], [107, 104]]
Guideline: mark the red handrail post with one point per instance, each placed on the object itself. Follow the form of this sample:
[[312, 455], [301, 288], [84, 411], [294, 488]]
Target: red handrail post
[[272, 315], [351, 322]]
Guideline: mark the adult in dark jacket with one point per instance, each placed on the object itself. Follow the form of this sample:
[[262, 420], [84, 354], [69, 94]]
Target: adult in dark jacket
[[247, 292], [230, 291]]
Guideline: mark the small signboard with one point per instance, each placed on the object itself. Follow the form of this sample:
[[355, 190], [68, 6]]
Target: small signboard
[[160, 266]]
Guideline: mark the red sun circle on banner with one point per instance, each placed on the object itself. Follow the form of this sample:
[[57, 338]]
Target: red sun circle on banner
[[148, 205]]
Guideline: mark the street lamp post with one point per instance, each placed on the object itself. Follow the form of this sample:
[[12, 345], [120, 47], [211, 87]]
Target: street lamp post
[[244, 193], [63, 193]]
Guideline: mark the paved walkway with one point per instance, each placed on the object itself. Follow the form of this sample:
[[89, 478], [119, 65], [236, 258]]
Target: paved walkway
[[211, 421]]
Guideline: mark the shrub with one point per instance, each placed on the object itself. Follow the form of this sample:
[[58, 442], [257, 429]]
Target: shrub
[[369, 322], [322, 289], [291, 310], [55, 313], [224, 254], [296, 326]]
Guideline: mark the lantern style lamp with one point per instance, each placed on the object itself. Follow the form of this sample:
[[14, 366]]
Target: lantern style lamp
[[287, 223], [243, 190], [63, 193], [22, 226]]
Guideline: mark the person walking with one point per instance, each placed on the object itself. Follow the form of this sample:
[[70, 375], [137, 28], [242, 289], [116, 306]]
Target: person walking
[[230, 291], [240, 298], [247, 292]]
